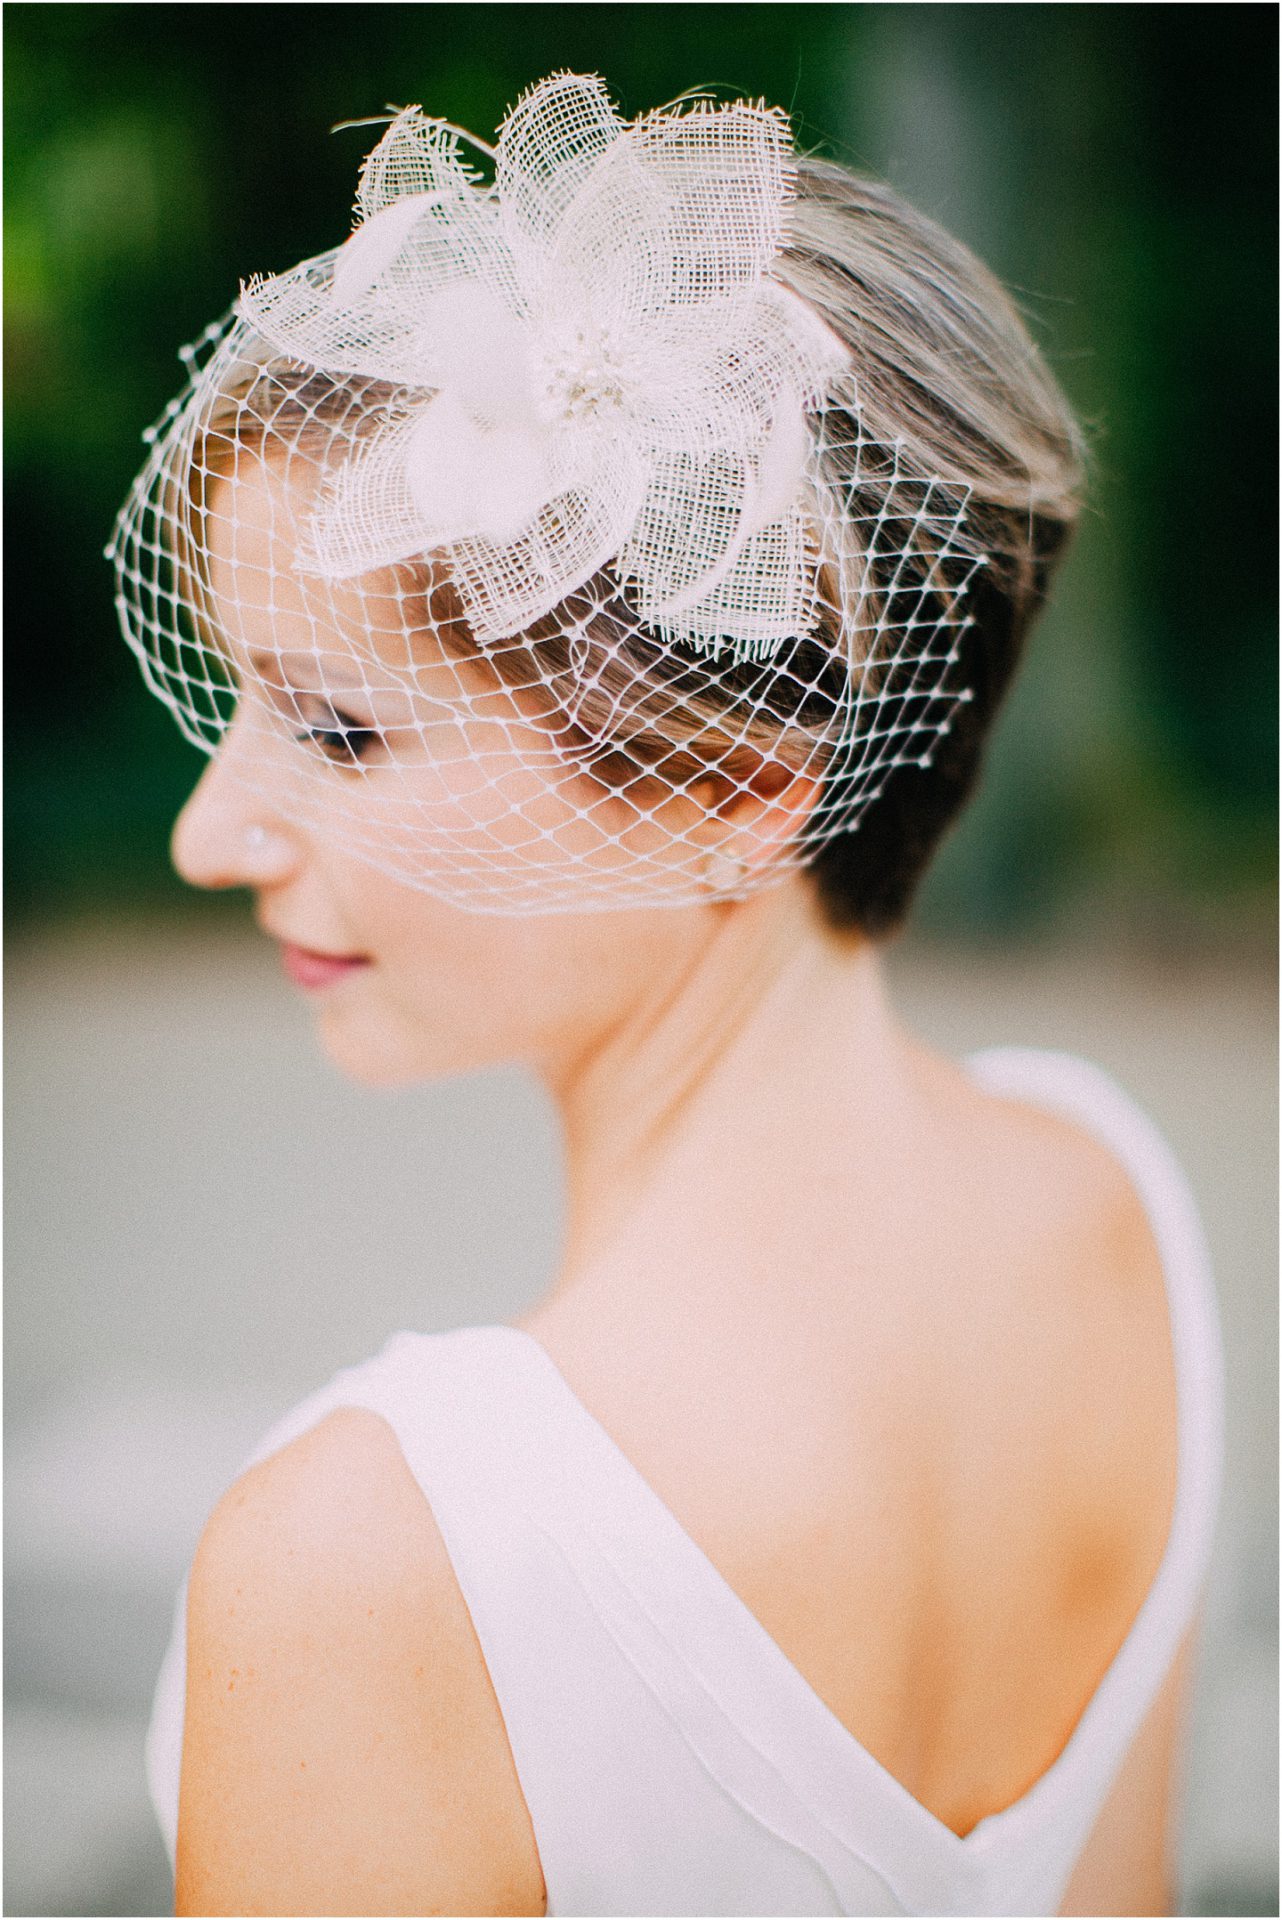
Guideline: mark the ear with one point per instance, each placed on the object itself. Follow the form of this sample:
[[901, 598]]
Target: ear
[[756, 815]]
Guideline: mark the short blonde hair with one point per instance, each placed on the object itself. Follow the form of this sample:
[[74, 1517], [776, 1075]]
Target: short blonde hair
[[946, 364]]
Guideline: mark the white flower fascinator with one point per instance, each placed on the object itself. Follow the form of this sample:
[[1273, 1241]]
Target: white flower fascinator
[[535, 538], [596, 363]]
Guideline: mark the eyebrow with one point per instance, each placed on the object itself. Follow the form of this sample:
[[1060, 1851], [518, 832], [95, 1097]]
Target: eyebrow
[[273, 667]]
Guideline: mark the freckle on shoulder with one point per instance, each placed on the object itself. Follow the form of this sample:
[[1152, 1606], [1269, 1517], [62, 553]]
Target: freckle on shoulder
[[337, 1509]]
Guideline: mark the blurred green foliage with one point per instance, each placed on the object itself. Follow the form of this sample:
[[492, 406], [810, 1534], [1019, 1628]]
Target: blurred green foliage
[[1116, 165]]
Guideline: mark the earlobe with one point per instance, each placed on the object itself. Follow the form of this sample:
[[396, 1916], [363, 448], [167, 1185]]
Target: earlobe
[[753, 828], [723, 872], [783, 801]]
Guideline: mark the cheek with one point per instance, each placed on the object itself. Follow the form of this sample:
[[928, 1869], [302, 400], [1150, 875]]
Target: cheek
[[442, 993], [394, 1025]]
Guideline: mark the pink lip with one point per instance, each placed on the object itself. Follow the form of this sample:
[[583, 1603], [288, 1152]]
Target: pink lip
[[313, 971]]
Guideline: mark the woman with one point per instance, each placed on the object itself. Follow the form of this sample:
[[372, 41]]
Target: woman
[[597, 587]]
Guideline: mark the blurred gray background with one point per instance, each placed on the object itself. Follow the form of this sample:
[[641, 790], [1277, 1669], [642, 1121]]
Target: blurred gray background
[[203, 1222]]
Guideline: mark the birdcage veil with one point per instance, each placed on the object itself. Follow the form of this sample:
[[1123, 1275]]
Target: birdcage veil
[[532, 541]]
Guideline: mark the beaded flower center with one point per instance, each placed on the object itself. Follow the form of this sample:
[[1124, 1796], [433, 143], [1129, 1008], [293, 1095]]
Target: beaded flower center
[[589, 374]]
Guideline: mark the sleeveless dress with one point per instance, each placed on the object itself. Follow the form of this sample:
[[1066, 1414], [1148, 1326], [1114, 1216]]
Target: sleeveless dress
[[672, 1759]]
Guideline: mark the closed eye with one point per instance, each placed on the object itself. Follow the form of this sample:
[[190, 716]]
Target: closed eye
[[344, 743], [343, 740]]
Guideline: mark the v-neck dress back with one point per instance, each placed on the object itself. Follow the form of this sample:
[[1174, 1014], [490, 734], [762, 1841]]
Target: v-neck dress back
[[672, 1758]]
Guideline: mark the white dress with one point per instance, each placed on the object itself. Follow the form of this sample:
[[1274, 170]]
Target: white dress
[[673, 1760]]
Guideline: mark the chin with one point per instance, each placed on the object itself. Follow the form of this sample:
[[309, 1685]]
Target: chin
[[375, 1055]]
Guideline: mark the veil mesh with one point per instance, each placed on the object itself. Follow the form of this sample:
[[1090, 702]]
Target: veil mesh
[[532, 543]]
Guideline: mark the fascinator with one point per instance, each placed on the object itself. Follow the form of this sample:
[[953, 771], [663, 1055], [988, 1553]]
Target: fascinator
[[532, 540]]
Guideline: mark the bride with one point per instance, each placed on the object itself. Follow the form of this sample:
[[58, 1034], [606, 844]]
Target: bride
[[594, 588]]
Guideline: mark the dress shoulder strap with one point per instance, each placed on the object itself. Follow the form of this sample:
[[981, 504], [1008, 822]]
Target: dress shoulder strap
[[604, 1631], [638, 1783], [1083, 1093], [358, 1385]]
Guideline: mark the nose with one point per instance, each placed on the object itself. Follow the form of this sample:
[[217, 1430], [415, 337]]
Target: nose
[[229, 834]]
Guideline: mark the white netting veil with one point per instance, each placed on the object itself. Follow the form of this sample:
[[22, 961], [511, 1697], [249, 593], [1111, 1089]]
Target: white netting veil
[[532, 542]]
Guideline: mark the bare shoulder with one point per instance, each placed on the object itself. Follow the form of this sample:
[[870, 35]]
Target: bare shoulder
[[1066, 1172], [343, 1749], [1094, 1287], [338, 1501], [1075, 1208], [1087, 1365]]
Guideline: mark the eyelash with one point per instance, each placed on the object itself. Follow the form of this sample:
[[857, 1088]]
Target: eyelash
[[344, 745]]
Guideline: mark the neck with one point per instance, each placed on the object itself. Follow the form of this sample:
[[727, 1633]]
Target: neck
[[765, 1055]]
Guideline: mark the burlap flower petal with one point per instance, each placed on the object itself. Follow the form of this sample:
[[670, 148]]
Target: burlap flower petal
[[360, 310], [684, 527], [504, 588], [416, 155], [548, 146], [730, 175], [700, 564], [367, 516], [380, 335], [679, 210], [765, 596], [713, 376], [439, 473]]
